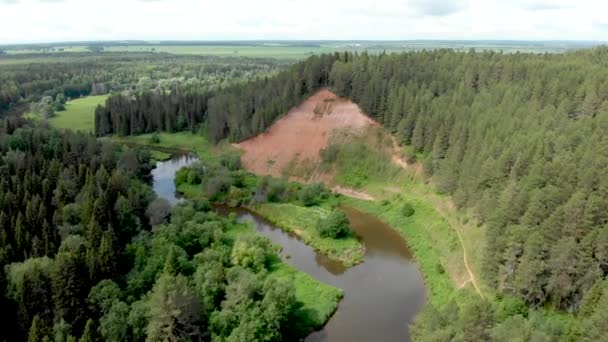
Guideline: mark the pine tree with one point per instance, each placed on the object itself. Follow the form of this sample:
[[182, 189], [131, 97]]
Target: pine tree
[[38, 330], [90, 333], [172, 266], [106, 256], [70, 288]]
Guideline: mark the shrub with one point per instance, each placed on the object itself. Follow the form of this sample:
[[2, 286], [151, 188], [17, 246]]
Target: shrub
[[410, 156], [155, 138], [510, 306], [217, 185], [276, 190], [251, 252], [231, 161], [334, 226], [311, 195], [194, 177], [182, 175], [158, 211], [407, 210]]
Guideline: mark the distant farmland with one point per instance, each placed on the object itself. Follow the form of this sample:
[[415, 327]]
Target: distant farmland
[[295, 49]]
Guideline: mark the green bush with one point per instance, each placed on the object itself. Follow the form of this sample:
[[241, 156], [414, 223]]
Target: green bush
[[312, 194], [155, 138], [334, 226], [182, 175], [194, 177], [231, 161], [407, 210]]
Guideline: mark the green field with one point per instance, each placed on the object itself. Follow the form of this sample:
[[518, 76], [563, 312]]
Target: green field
[[281, 52], [79, 114]]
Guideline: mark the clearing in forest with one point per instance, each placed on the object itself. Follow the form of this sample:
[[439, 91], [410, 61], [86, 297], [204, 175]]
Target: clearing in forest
[[302, 134], [79, 114]]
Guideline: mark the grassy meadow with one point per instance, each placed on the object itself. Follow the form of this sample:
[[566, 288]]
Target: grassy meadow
[[79, 114]]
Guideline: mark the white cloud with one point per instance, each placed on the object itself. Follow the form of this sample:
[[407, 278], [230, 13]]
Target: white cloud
[[438, 7], [77, 20]]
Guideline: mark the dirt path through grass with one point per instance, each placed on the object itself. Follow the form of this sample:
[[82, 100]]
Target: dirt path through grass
[[399, 161]]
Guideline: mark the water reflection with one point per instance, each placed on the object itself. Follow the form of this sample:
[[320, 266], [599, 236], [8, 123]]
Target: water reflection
[[164, 176]]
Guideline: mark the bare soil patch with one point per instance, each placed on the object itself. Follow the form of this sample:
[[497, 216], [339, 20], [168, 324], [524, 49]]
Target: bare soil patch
[[299, 136]]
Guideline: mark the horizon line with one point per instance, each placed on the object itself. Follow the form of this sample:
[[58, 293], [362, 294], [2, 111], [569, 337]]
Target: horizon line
[[160, 41]]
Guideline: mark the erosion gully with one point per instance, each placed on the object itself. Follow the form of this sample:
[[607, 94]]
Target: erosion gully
[[382, 295]]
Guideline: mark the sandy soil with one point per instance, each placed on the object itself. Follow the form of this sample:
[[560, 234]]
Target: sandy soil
[[302, 133]]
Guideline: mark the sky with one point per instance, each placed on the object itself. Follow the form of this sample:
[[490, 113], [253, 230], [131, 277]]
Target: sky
[[30, 21]]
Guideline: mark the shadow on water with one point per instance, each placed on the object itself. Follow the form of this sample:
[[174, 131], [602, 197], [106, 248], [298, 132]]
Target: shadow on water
[[382, 295]]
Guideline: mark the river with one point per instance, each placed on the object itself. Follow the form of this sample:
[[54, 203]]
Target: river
[[382, 295]]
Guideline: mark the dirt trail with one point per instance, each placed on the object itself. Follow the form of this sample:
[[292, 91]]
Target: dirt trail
[[353, 193], [466, 263], [472, 279]]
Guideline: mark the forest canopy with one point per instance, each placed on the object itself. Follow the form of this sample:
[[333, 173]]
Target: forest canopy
[[87, 253]]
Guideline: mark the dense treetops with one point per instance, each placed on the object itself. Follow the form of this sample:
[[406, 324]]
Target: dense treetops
[[28, 78], [81, 261], [236, 112], [518, 137], [68, 203]]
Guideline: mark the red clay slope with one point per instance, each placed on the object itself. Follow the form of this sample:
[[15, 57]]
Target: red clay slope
[[302, 133]]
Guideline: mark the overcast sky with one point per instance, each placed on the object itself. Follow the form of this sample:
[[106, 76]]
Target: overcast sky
[[77, 20]]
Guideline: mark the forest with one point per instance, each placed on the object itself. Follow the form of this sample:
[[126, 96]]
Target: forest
[[26, 79], [236, 112], [89, 253], [520, 139]]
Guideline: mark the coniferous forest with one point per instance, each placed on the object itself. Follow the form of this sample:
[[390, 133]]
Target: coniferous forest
[[519, 139]]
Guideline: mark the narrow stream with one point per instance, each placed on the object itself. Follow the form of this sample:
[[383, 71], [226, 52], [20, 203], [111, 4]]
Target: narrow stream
[[381, 295], [163, 176]]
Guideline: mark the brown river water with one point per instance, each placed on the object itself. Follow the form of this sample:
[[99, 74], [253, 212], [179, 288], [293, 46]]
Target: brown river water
[[382, 295]]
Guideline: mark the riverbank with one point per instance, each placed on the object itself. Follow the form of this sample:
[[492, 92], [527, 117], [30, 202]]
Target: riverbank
[[318, 300], [290, 217], [182, 141], [416, 230], [303, 221], [435, 244]]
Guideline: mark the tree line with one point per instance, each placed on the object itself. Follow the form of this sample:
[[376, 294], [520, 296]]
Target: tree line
[[28, 78], [236, 112]]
